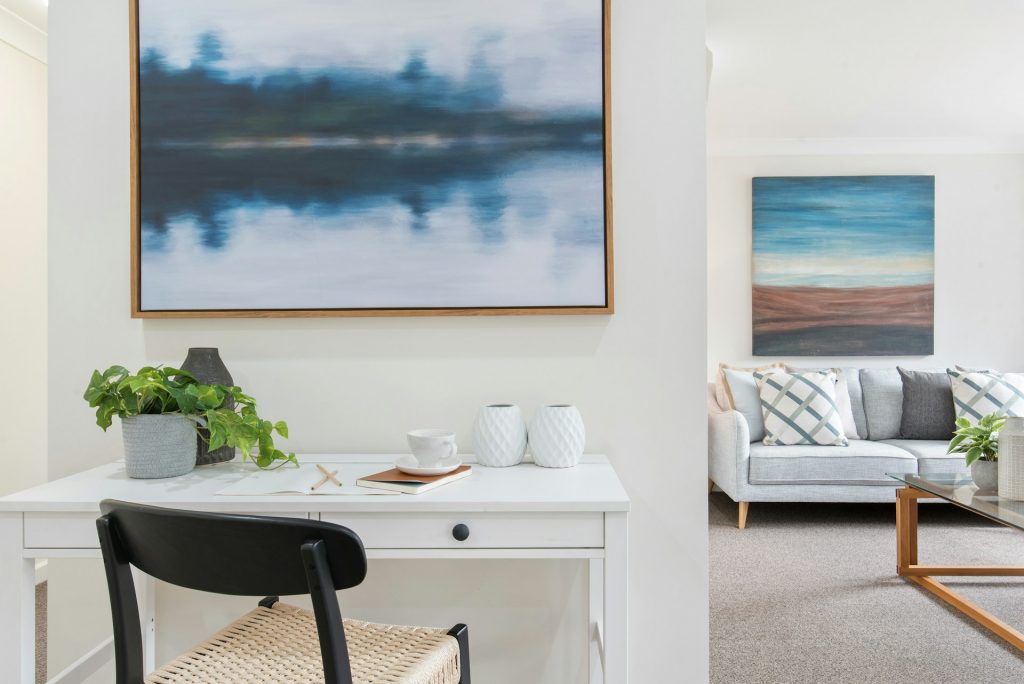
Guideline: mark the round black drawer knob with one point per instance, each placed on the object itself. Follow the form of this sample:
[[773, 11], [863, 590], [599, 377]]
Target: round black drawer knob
[[460, 532]]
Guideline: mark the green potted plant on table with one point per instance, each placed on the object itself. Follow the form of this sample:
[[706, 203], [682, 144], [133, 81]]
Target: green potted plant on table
[[160, 409], [980, 442]]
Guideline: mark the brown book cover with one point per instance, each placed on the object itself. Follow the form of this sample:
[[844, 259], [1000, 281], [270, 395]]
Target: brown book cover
[[397, 481]]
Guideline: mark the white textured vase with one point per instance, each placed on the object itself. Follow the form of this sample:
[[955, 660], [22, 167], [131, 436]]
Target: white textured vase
[[499, 436], [557, 436], [1011, 459]]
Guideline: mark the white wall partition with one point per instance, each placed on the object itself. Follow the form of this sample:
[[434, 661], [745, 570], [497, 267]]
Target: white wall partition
[[358, 384], [23, 255]]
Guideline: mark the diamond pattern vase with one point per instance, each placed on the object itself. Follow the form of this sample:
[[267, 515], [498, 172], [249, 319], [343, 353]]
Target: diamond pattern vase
[[557, 436], [499, 435]]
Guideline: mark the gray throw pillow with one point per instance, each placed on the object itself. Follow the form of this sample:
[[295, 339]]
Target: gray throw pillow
[[883, 402], [928, 411]]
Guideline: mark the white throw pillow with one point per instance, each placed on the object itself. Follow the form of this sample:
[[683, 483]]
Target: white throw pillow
[[979, 393], [744, 397], [800, 408], [843, 402]]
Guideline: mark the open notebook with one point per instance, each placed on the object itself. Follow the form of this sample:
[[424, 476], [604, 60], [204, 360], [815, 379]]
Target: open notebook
[[291, 480]]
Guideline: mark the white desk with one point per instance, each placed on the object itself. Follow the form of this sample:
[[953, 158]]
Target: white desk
[[519, 512]]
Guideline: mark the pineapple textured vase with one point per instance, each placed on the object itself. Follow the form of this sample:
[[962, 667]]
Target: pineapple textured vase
[[499, 435], [557, 436], [1011, 459]]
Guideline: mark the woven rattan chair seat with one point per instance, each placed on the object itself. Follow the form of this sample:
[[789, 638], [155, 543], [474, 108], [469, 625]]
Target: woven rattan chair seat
[[280, 644]]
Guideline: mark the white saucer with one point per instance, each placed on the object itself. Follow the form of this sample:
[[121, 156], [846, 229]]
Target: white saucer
[[410, 466]]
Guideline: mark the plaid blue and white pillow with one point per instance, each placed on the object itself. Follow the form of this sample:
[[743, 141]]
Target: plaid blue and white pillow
[[800, 408], [979, 393]]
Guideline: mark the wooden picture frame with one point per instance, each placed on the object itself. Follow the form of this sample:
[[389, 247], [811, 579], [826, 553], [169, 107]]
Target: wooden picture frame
[[136, 241]]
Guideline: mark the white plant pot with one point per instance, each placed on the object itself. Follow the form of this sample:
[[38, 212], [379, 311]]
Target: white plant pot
[[499, 436], [158, 446], [557, 436], [1011, 459]]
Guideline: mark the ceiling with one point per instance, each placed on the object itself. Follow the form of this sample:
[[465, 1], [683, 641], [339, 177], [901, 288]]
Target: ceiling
[[32, 11], [868, 69]]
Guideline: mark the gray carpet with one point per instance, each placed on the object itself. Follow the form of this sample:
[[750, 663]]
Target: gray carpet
[[809, 593], [41, 632]]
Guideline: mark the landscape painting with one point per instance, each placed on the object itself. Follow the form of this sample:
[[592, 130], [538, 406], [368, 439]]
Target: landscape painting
[[843, 266], [369, 157]]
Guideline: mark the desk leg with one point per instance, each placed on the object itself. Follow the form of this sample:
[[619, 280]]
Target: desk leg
[[17, 617], [145, 594], [596, 621], [615, 593]]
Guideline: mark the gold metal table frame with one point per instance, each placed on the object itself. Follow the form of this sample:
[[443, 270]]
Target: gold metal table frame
[[923, 575]]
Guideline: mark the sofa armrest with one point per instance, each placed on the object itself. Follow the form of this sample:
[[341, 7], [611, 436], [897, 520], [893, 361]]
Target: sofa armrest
[[728, 447]]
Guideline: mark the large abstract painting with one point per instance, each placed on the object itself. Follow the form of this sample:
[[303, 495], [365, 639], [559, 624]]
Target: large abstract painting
[[843, 266], [370, 157]]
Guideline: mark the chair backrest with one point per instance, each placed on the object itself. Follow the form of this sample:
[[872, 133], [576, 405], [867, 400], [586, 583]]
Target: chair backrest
[[241, 555], [227, 554]]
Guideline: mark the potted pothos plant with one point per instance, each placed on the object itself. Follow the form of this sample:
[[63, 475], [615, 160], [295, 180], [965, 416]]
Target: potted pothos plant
[[979, 442], [161, 409]]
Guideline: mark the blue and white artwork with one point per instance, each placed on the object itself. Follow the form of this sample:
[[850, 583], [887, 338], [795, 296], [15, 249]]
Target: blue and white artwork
[[353, 155], [844, 266]]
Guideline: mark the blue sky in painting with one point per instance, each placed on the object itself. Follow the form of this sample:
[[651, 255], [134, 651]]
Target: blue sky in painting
[[844, 231]]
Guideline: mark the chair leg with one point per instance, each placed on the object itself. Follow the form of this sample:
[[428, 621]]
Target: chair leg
[[461, 634], [744, 506], [711, 485]]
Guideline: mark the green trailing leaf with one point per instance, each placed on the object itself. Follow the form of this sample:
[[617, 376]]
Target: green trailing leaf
[[162, 389], [977, 441]]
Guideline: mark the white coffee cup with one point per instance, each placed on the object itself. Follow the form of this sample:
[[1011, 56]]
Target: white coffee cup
[[430, 447]]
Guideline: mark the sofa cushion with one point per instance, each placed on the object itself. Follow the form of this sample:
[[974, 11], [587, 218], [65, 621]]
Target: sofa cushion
[[856, 401], [927, 406], [743, 396], [723, 393], [844, 403], [977, 394], [883, 402], [862, 462], [800, 408], [931, 456]]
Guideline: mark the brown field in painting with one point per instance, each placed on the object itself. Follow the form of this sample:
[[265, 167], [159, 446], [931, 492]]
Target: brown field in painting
[[780, 309]]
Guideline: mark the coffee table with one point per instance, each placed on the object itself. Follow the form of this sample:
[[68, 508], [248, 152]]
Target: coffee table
[[960, 491]]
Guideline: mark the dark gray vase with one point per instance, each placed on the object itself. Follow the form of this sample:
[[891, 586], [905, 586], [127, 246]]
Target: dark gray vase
[[205, 364]]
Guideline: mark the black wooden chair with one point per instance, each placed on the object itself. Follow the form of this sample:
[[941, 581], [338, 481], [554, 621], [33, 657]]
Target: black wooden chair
[[256, 556]]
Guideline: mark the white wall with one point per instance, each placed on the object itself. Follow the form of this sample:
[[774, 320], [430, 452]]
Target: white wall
[[22, 256], [358, 384], [836, 69], [979, 243]]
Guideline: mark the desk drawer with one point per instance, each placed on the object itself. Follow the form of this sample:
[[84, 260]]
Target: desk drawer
[[486, 530], [75, 530], [61, 531]]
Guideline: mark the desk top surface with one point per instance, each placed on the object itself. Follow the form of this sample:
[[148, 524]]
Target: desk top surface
[[590, 486]]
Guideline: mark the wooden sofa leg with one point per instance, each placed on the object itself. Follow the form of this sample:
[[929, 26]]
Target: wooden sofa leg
[[744, 506], [711, 485]]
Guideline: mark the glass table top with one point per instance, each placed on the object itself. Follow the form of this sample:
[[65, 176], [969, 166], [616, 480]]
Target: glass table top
[[961, 490]]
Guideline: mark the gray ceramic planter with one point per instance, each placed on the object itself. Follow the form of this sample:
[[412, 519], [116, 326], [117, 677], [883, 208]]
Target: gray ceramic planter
[[158, 445], [986, 475]]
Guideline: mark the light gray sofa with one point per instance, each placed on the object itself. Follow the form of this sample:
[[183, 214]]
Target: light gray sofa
[[752, 472]]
